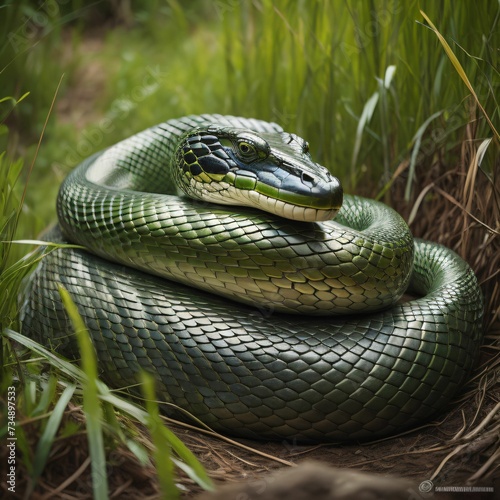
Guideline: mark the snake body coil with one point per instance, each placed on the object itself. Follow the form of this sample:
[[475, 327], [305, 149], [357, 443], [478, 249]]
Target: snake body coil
[[255, 369]]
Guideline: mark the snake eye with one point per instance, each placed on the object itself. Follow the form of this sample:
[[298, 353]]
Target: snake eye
[[305, 147], [250, 147], [248, 152], [246, 149]]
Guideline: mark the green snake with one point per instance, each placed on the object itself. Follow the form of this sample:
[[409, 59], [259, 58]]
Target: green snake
[[234, 309]]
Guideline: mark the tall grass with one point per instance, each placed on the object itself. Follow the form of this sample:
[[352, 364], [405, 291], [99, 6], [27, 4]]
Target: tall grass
[[368, 84], [315, 66], [311, 66]]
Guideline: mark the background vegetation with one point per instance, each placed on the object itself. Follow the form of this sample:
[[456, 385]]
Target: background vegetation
[[368, 84]]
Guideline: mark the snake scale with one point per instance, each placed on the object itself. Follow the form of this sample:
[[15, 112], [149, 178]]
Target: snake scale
[[235, 310]]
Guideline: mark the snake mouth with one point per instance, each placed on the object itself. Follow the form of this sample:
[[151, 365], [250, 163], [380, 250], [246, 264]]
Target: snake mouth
[[291, 210], [290, 205], [318, 201]]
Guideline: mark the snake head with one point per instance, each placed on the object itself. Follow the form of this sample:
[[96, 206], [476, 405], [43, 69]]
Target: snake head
[[271, 171]]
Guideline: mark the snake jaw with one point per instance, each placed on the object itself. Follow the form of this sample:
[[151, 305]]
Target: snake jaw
[[226, 194]]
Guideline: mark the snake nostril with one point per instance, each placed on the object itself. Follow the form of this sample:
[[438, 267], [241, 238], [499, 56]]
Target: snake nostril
[[307, 179]]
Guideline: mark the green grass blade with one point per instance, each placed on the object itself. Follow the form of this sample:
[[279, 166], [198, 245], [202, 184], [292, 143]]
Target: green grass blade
[[189, 463], [481, 151], [91, 402], [47, 438], [49, 244], [196, 472], [163, 448], [139, 451], [55, 360], [461, 72], [417, 140], [389, 75], [48, 393], [365, 118]]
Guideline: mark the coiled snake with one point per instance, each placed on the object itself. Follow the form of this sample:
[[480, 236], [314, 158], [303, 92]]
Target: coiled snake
[[276, 365]]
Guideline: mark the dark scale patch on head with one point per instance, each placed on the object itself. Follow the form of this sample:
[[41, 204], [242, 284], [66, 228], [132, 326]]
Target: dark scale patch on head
[[211, 140], [220, 153], [213, 165], [200, 149], [189, 157], [195, 169]]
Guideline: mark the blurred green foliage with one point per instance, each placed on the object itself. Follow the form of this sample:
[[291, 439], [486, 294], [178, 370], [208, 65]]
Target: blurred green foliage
[[310, 65]]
